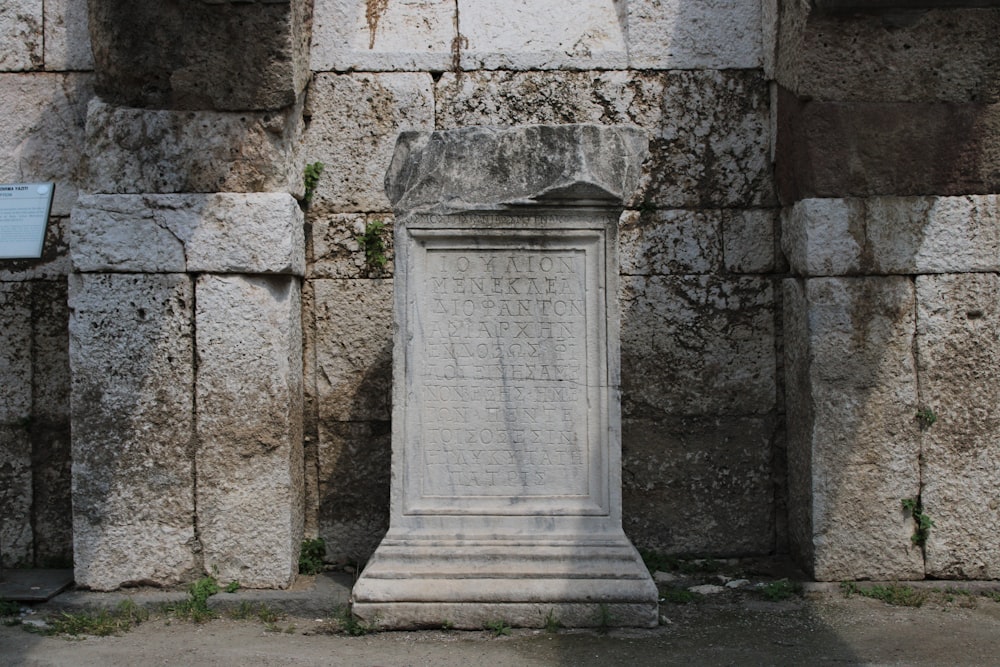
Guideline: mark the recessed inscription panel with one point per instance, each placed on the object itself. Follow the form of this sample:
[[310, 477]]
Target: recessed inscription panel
[[505, 373]]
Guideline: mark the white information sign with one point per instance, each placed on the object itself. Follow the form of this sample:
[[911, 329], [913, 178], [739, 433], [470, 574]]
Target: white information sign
[[24, 213]]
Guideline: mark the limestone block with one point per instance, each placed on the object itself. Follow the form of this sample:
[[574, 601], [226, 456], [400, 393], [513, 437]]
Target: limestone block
[[336, 252], [42, 135], [824, 237], [675, 34], [526, 98], [353, 349], [16, 535], [355, 119], [132, 360], [353, 468], [853, 443], [697, 345], [490, 167], [712, 144], [671, 241], [861, 149], [937, 55], [709, 130], [141, 150], [221, 233], [903, 235], [533, 34], [67, 39], [699, 484], [958, 326], [16, 353], [54, 263], [749, 240], [249, 422], [224, 56], [21, 35], [382, 36]]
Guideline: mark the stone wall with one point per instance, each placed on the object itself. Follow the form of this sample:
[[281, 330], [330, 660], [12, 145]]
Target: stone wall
[[45, 84], [886, 158], [702, 418], [791, 243]]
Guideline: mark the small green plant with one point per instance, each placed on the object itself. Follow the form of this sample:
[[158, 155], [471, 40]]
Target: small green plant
[[922, 522], [992, 595], [311, 180], [780, 590], [261, 612], [195, 608], [499, 627], [894, 594], [447, 625], [232, 586], [552, 623], [9, 612], [351, 625], [657, 562], [605, 619], [373, 245], [678, 595], [311, 556], [124, 617], [926, 418]]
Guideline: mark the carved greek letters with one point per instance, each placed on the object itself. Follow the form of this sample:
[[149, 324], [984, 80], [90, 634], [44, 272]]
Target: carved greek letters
[[503, 372]]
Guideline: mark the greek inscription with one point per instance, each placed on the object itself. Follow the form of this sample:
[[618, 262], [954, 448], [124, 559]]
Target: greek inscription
[[504, 373]]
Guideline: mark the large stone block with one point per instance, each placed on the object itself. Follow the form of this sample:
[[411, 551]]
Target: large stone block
[[674, 34], [709, 130], [353, 466], [16, 353], [383, 36], [132, 358], [670, 241], [958, 326], [533, 34], [946, 55], [140, 150], [853, 442], [16, 534], [861, 149], [42, 135], [893, 235], [697, 345], [354, 122], [21, 35], [699, 485], [353, 349], [219, 233], [201, 55], [52, 514], [440, 35], [67, 38], [249, 422], [335, 250]]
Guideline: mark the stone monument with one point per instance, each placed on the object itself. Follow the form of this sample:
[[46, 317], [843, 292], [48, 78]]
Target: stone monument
[[506, 441]]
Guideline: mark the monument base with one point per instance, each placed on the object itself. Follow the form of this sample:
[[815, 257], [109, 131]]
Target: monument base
[[467, 584]]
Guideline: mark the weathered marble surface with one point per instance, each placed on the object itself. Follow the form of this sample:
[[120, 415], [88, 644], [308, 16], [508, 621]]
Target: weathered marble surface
[[131, 354], [853, 441], [249, 456], [254, 233], [958, 326], [506, 427]]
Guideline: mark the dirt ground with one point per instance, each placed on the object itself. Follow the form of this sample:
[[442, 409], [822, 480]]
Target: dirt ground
[[728, 628]]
